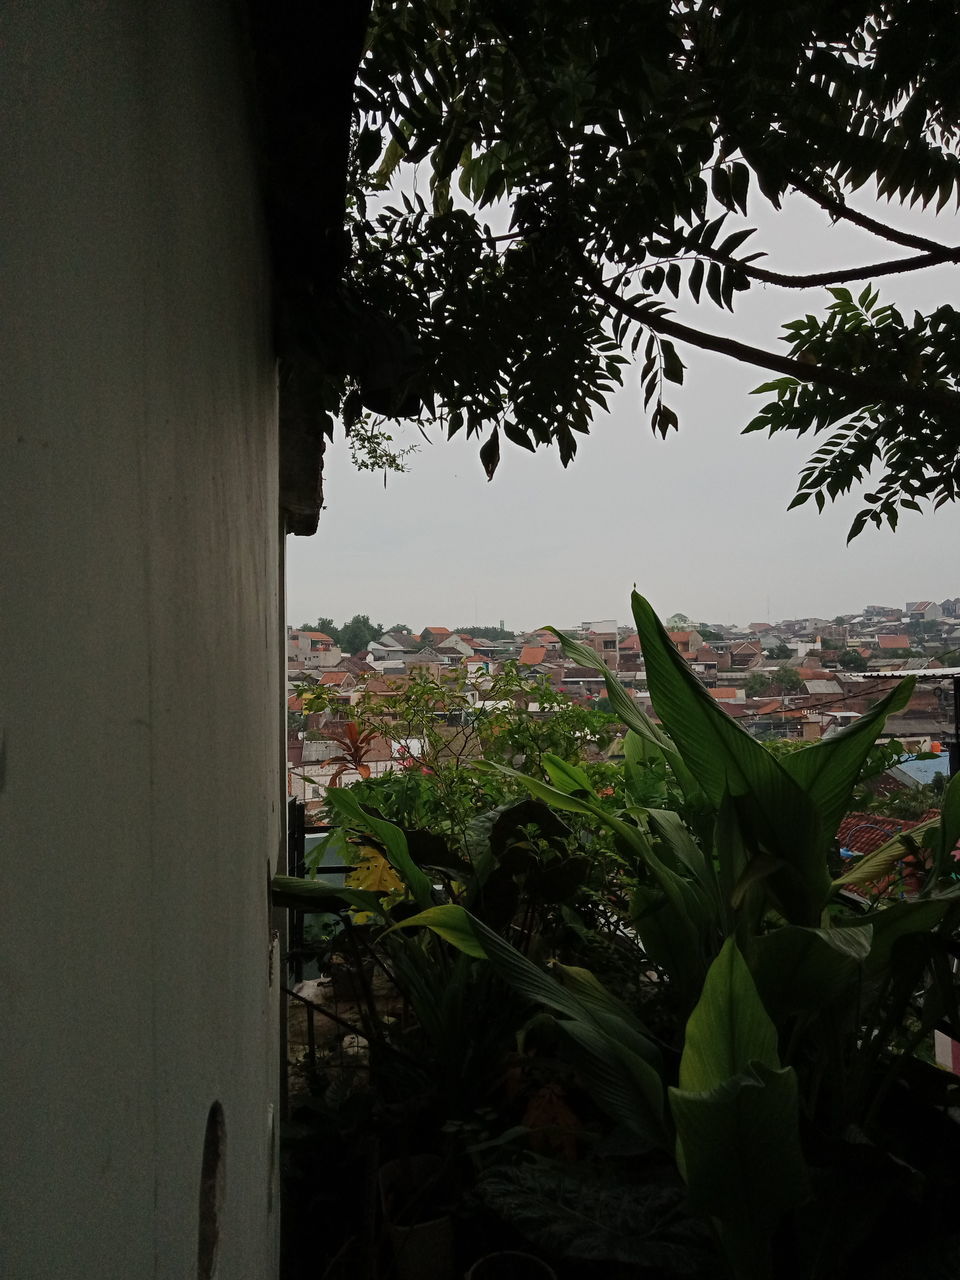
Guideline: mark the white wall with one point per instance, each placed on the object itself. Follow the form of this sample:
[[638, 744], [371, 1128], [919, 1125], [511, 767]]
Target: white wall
[[138, 490]]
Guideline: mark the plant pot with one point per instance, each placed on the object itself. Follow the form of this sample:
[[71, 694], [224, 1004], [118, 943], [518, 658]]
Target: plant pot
[[511, 1265], [420, 1236]]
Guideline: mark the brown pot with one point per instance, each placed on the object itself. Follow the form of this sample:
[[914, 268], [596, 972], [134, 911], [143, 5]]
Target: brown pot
[[421, 1250]]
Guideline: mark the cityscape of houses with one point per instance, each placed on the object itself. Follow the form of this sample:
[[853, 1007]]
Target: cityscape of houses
[[801, 678]]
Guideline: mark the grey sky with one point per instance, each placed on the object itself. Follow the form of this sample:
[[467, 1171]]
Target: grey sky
[[698, 521]]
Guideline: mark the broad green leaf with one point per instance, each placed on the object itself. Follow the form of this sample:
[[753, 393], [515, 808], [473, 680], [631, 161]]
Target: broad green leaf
[[669, 826], [902, 919], [628, 711], [315, 896], [392, 839], [828, 770], [738, 1147], [542, 790], [621, 1082], [949, 831], [773, 810], [602, 1004], [674, 943], [452, 923], [798, 969], [874, 866], [600, 1026], [567, 777], [691, 918], [729, 1029]]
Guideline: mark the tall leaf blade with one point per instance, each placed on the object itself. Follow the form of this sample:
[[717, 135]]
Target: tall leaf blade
[[771, 806], [619, 1053], [828, 770], [392, 839], [628, 711], [729, 1029]]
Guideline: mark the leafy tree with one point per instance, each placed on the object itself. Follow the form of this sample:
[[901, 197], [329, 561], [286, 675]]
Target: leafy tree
[[709, 634], [486, 633], [779, 653], [620, 145], [356, 634], [852, 660], [773, 683]]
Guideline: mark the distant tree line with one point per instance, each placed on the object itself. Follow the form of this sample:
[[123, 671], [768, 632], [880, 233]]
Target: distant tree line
[[356, 635]]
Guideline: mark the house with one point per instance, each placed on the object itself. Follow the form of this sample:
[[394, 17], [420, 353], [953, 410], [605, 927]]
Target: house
[[310, 650], [881, 613], [686, 641], [922, 610], [456, 646], [434, 635], [531, 657], [604, 639], [745, 654], [893, 642]]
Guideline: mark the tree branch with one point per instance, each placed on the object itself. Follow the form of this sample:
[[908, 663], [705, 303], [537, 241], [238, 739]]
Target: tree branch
[[835, 206], [864, 388], [894, 267]]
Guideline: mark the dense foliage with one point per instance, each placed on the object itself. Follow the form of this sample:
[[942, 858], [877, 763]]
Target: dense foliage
[[697, 982], [582, 163]]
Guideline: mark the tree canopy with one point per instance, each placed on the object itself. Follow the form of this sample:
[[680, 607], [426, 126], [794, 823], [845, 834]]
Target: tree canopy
[[582, 163]]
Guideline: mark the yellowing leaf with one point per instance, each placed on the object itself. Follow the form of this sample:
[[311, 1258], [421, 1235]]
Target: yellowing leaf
[[373, 872]]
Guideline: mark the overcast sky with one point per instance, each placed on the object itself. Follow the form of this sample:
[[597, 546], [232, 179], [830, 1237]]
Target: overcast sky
[[698, 522]]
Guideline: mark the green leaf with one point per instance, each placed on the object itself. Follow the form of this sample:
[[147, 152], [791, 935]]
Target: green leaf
[[772, 809], [452, 923], [628, 711], [392, 839], [739, 1151], [949, 827], [315, 896], [542, 790], [567, 777], [900, 921], [873, 866], [616, 1052], [737, 1117], [729, 1029], [803, 970], [828, 770]]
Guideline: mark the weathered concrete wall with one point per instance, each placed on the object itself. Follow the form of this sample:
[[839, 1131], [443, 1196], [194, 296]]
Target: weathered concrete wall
[[138, 491]]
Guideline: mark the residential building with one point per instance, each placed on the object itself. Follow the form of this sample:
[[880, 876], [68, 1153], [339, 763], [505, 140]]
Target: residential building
[[922, 610], [687, 642], [604, 639], [311, 650]]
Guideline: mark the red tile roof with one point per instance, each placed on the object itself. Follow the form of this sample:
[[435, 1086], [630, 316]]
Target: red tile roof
[[530, 657], [334, 677], [294, 704], [314, 635], [438, 631], [866, 832], [893, 642], [723, 694]]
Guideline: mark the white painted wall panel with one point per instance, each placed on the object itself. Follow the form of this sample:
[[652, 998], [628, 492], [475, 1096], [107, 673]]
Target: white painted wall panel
[[139, 515]]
